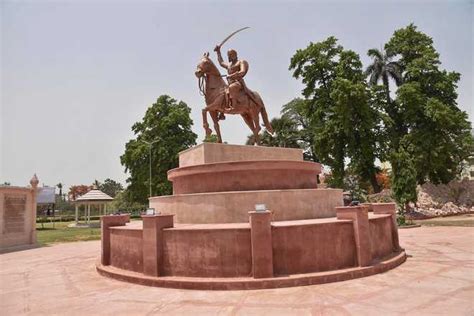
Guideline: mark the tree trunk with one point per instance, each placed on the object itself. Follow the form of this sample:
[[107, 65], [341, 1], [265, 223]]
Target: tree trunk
[[374, 183]]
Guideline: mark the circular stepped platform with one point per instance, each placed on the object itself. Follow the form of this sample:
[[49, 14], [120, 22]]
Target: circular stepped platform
[[207, 236], [249, 283], [249, 175], [233, 207], [222, 256]]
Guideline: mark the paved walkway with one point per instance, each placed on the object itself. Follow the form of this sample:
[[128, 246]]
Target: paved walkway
[[437, 279]]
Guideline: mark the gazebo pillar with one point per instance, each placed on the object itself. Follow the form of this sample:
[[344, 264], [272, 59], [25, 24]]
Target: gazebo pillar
[[88, 213], [105, 208], [77, 215]]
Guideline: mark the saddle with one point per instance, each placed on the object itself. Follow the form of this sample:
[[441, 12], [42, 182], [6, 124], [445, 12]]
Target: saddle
[[230, 105]]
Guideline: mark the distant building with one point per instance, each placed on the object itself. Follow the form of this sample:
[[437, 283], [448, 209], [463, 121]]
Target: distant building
[[469, 170]]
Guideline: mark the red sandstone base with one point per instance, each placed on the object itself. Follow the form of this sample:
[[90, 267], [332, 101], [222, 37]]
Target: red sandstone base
[[253, 255], [209, 236], [251, 283]]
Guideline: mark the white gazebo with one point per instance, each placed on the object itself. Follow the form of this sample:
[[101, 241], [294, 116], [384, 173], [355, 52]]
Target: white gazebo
[[93, 197]]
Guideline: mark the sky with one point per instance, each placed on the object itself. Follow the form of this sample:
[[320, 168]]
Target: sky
[[76, 75]]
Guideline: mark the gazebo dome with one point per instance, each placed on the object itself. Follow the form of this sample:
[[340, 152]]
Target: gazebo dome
[[94, 195]]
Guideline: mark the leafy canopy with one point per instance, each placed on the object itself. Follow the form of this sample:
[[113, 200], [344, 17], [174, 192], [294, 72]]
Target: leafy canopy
[[110, 187], [337, 110], [168, 124], [427, 121]]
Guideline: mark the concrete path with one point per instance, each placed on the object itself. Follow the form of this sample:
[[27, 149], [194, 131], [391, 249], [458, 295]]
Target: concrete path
[[437, 279]]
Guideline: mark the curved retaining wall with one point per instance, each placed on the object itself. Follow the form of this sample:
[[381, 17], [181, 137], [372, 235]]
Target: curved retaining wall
[[245, 176], [126, 248], [309, 246], [381, 240], [228, 251], [207, 252], [233, 207]]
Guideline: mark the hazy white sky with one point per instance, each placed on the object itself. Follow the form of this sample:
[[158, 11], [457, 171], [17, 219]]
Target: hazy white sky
[[75, 75]]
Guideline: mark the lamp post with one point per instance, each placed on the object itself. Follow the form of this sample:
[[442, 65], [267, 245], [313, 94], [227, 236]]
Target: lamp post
[[149, 147]]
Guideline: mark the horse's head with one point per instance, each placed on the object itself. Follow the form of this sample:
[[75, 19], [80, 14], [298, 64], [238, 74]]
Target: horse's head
[[206, 66]]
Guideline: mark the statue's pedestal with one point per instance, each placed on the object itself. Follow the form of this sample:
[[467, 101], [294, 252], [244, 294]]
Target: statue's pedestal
[[216, 240], [220, 183], [207, 153]]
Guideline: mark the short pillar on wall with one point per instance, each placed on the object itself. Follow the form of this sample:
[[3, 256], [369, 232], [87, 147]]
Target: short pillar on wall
[[360, 220], [368, 206], [389, 208], [106, 222], [153, 241], [261, 239]]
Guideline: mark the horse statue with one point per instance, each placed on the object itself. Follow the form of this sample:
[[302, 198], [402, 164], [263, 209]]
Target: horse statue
[[249, 104]]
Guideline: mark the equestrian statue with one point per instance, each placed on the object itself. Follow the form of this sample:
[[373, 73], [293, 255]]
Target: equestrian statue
[[232, 97]]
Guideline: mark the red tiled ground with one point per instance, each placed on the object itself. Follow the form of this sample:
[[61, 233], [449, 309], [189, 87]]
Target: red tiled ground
[[437, 279]]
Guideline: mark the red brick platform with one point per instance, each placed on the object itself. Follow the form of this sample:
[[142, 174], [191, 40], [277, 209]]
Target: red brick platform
[[209, 236]]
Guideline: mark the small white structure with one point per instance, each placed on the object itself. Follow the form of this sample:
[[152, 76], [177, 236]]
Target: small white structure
[[93, 197]]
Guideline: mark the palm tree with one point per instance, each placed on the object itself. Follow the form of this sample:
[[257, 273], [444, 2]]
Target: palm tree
[[383, 68], [285, 134], [60, 187]]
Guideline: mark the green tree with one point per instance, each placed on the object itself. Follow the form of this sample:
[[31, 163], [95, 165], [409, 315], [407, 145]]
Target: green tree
[[403, 181], [299, 112], [60, 187], [361, 130], [110, 187], [123, 202], [383, 68], [426, 118], [62, 204], [340, 115], [211, 139], [167, 122], [285, 134]]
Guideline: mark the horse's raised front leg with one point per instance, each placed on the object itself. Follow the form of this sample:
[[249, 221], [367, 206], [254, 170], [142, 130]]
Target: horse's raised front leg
[[217, 128], [205, 124]]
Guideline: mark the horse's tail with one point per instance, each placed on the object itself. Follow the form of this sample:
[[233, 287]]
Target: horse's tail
[[266, 122]]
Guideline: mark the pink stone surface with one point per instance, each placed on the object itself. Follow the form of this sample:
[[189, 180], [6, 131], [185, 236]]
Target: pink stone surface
[[313, 246], [207, 252], [360, 220], [212, 152], [437, 279], [261, 243], [106, 222], [263, 247], [391, 209], [245, 176], [126, 250], [381, 243], [233, 207], [153, 226], [251, 283]]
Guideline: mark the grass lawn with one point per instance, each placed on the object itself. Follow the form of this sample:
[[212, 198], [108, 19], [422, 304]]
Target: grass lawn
[[61, 233], [466, 220]]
